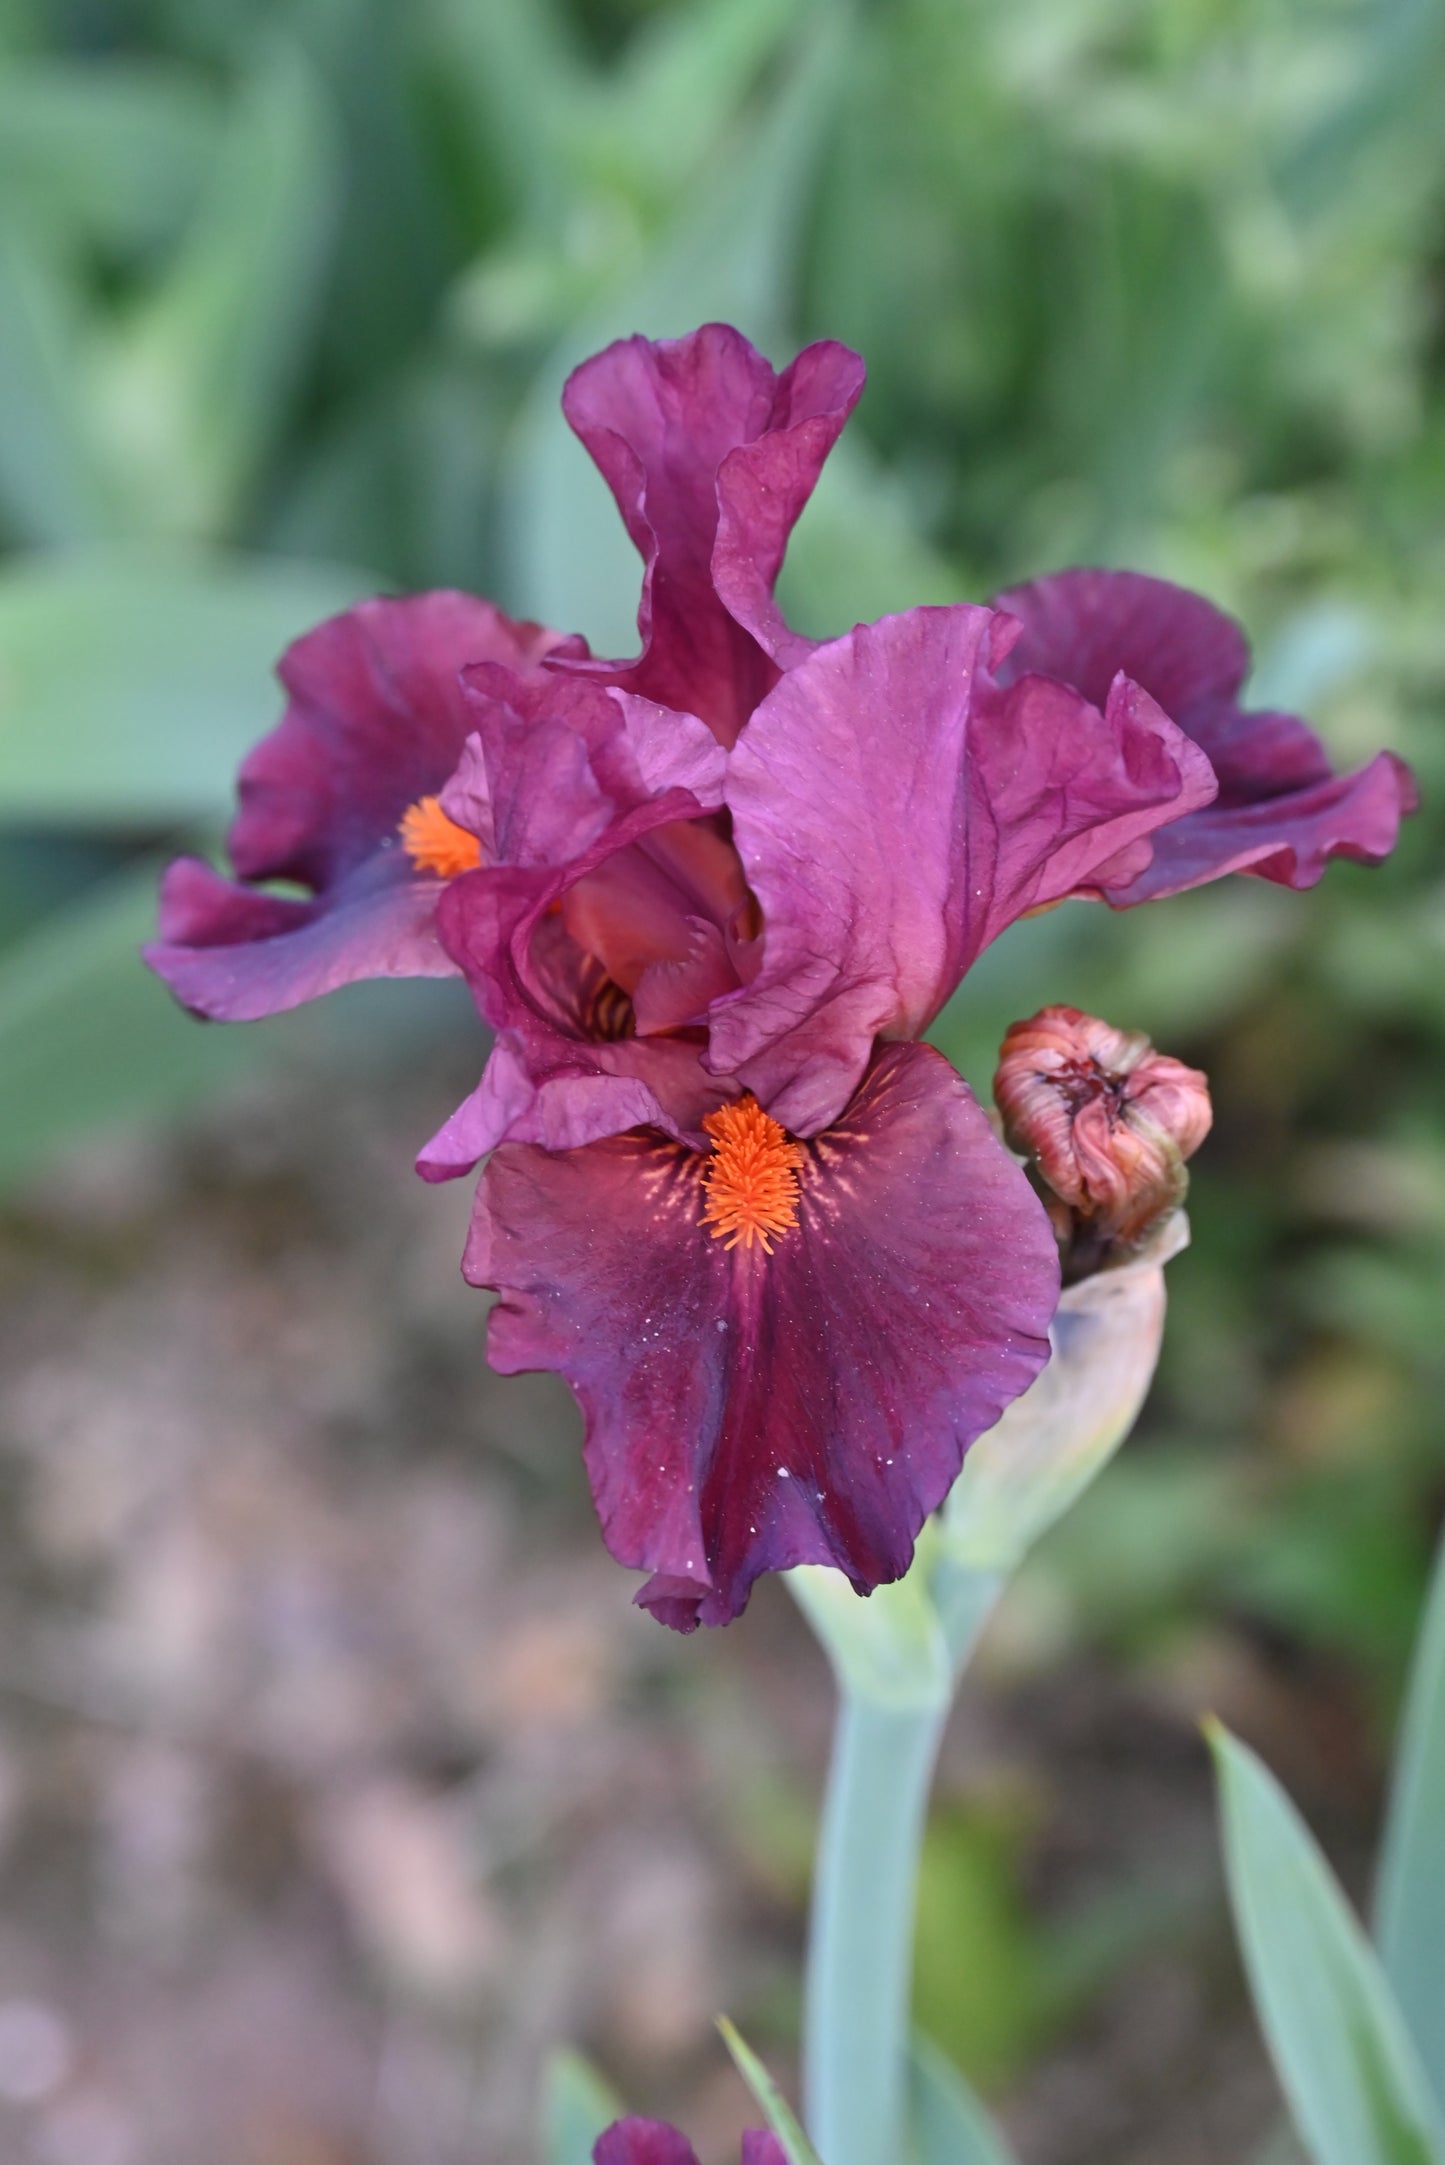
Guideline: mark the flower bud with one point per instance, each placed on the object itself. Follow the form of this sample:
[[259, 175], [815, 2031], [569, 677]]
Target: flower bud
[[1106, 1123]]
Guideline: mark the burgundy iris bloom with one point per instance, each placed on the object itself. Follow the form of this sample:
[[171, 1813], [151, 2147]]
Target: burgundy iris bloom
[[653, 2142], [1282, 812], [711, 455], [708, 900], [341, 800]]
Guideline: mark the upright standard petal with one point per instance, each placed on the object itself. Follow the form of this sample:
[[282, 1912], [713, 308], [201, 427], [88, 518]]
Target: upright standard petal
[[584, 937], [1281, 813], [711, 455], [341, 798], [782, 1350], [895, 808]]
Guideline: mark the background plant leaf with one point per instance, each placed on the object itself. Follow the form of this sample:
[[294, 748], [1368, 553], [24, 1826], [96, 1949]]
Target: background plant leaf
[[1337, 2036], [770, 2100], [1410, 1903], [577, 2104], [88, 1038], [950, 2125], [132, 682]]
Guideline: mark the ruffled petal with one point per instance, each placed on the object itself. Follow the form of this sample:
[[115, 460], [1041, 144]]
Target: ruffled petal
[[502, 927], [706, 448], [550, 761], [750, 1411], [376, 721], [1281, 813], [235, 953], [763, 486], [895, 809], [1290, 839], [599, 818], [1084, 626]]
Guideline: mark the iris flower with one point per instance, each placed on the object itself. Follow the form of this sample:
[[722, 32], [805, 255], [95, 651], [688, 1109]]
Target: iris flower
[[708, 900], [771, 1241]]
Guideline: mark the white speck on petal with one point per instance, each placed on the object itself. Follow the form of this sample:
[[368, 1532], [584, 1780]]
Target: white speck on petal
[[782, 1473]]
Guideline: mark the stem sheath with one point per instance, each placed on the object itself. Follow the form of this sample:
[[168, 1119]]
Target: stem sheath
[[860, 1948]]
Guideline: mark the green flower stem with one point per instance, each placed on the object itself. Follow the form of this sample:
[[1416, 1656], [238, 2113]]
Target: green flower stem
[[860, 1947]]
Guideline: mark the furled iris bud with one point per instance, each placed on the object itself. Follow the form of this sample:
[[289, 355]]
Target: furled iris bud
[[653, 2142], [1105, 1122]]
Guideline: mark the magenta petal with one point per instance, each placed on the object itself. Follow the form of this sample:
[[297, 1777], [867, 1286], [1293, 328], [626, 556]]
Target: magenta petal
[[1281, 812], [495, 924], [705, 446], [763, 486], [505, 1093], [642, 2142], [551, 760], [1085, 626], [894, 811], [1290, 839], [236, 954], [671, 995], [376, 719], [573, 783], [748, 1412]]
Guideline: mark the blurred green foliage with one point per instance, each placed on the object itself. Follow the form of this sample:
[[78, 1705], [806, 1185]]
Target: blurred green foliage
[[287, 294]]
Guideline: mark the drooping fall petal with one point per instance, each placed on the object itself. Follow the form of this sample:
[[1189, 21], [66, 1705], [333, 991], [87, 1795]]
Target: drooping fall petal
[[1281, 813], [374, 726], [804, 1396], [894, 809], [711, 455]]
